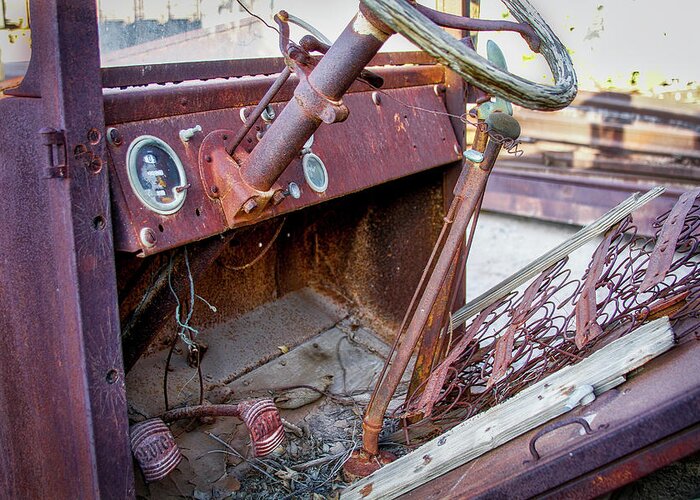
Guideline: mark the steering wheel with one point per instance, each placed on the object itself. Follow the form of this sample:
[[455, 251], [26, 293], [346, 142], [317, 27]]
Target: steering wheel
[[408, 19]]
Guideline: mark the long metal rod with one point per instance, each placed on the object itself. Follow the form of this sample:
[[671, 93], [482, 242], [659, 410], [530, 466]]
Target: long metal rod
[[258, 110], [472, 183]]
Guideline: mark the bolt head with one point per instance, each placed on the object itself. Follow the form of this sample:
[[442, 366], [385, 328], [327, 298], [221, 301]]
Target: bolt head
[[376, 98]]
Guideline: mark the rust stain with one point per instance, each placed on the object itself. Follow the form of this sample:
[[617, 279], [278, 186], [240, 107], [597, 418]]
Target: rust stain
[[366, 490]]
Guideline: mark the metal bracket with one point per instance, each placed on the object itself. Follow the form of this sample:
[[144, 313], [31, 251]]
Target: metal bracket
[[57, 157]]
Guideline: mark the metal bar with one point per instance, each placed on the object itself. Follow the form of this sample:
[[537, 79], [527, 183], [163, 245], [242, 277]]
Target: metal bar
[[130, 76], [122, 106], [258, 110], [572, 198], [470, 188]]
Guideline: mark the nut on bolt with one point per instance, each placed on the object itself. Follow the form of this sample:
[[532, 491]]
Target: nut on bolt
[[278, 197], [250, 205]]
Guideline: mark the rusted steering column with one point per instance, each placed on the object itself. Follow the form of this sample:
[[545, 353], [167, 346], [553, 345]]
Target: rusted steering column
[[244, 182]]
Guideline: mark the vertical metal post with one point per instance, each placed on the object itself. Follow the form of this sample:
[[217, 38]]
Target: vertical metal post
[[63, 415]]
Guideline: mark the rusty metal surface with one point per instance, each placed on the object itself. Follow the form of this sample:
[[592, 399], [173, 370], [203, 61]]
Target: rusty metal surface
[[561, 317], [63, 418], [159, 296], [127, 76], [430, 303], [376, 144], [632, 467], [129, 105], [624, 421], [574, 198], [154, 448]]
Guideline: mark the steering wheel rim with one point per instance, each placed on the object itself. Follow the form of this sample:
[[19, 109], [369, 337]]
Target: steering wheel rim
[[402, 17]]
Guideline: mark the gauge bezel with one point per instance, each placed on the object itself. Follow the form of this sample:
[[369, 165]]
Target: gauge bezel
[[305, 162], [132, 174]]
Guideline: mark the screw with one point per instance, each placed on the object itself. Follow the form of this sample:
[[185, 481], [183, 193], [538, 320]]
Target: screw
[[94, 136], [250, 205], [112, 376], [214, 190], [207, 158], [148, 237], [376, 98]]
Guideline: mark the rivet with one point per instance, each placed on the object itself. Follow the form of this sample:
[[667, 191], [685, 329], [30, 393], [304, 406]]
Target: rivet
[[94, 136], [376, 98]]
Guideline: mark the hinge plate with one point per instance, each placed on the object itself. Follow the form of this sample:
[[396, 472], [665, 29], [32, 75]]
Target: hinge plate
[[57, 158]]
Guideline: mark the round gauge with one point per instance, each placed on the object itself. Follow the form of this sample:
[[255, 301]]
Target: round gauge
[[315, 172], [156, 174]]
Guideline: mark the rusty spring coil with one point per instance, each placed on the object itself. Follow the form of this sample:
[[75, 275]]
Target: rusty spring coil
[[560, 318]]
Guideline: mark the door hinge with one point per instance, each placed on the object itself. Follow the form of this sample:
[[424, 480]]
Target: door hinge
[[57, 158]]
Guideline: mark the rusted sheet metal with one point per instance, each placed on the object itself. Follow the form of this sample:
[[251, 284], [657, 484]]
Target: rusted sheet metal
[[571, 198], [129, 105], [624, 421], [63, 411], [662, 256], [127, 76], [631, 467], [587, 327], [376, 144]]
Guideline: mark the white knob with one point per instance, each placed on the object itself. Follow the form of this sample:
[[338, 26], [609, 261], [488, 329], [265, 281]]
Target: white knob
[[187, 133]]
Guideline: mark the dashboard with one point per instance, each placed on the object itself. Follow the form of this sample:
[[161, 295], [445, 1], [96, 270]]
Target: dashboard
[[161, 198]]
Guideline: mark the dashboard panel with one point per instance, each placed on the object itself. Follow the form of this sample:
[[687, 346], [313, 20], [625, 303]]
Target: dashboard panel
[[159, 197]]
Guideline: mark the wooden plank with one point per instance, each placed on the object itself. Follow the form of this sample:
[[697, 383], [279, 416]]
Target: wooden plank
[[530, 408]]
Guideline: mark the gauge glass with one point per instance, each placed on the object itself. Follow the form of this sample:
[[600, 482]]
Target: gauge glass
[[315, 172], [156, 175]]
